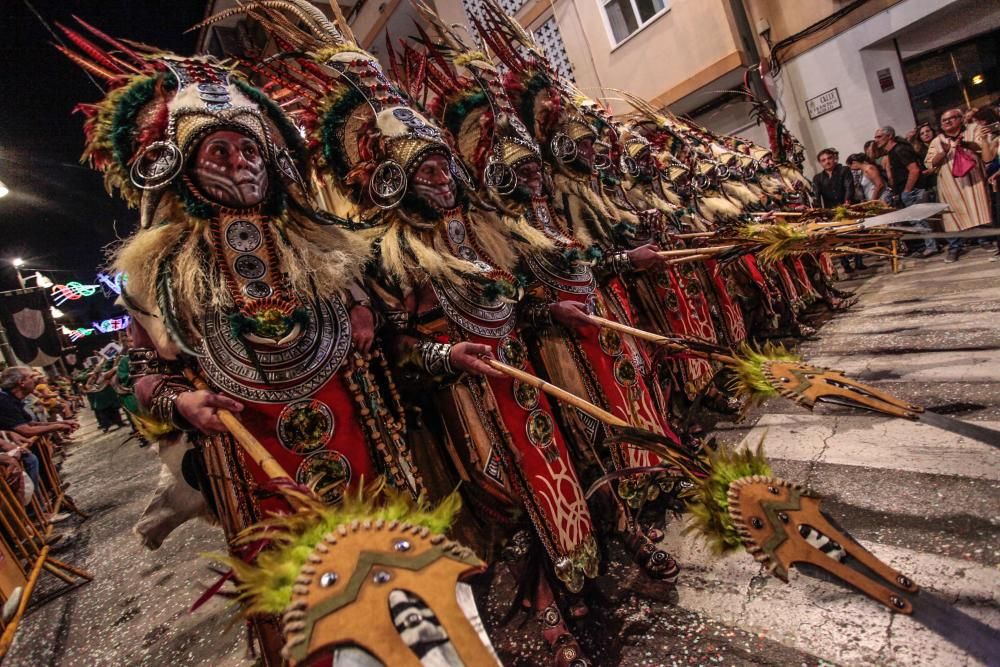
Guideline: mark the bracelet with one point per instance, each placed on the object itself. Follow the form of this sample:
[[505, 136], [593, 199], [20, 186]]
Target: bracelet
[[163, 404], [435, 358], [146, 361], [618, 262], [537, 313]]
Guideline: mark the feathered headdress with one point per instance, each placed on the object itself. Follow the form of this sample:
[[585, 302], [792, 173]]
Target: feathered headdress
[[157, 107], [360, 126]]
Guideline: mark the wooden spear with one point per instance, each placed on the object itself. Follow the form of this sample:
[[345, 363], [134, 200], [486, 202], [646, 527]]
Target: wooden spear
[[660, 340], [245, 438]]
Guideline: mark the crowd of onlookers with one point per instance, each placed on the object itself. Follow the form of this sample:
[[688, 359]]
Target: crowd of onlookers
[[956, 164], [32, 405]]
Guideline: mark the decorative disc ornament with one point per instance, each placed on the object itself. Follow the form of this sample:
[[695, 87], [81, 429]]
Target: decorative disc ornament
[[157, 164], [388, 185], [563, 147], [499, 177], [327, 472], [305, 426], [629, 166]]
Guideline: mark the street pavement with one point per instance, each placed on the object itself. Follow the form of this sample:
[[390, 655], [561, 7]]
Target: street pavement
[[925, 501]]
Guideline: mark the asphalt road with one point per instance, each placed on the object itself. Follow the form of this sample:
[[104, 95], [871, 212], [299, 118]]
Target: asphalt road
[[925, 501]]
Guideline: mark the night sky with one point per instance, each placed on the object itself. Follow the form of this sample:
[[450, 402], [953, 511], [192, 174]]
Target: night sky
[[58, 216]]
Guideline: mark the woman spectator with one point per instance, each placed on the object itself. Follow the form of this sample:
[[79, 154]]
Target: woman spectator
[[873, 183], [959, 154]]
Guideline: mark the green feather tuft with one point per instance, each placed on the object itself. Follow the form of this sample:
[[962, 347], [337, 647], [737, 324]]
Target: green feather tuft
[[780, 240], [749, 381], [708, 502], [265, 586]]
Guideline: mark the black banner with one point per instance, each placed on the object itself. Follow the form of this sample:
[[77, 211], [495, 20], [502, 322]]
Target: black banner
[[30, 329]]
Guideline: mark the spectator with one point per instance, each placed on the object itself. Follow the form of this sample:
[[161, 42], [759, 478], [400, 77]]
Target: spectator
[[102, 397], [990, 119], [17, 383], [905, 173], [872, 183], [834, 186], [961, 187], [15, 446]]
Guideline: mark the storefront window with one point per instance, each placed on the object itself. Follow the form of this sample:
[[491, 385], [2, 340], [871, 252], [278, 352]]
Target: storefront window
[[964, 75]]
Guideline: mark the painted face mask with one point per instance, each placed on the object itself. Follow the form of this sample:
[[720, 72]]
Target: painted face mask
[[434, 183], [229, 169], [529, 178]]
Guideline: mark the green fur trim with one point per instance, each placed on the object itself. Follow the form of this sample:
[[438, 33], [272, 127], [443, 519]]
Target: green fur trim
[[749, 381], [265, 586], [780, 240], [708, 504], [458, 109]]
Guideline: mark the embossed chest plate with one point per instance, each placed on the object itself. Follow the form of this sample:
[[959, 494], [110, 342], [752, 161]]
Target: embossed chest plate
[[293, 371]]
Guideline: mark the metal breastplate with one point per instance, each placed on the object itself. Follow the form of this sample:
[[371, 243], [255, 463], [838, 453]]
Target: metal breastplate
[[573, 278], [293, 370], [467, 305], [472, 311]]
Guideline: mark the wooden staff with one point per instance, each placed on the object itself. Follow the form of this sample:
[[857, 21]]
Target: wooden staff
[[848, 250], [696, 251], [245, 438], [688, 259], [558, 392], [693, 235], [659, 340], [779, 214]]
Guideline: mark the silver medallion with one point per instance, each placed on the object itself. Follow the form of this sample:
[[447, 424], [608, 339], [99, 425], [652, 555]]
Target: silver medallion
[[250, 267], [243, 236], [456, 231]]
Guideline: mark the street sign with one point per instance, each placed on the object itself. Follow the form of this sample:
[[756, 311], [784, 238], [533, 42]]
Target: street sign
[[823, 104]]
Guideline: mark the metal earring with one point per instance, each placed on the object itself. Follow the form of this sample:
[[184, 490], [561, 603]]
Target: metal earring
[[387, 185], [563, 147], [156, 165]]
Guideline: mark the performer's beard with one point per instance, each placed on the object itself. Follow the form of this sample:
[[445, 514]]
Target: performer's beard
[[434, 183], [229, 169]]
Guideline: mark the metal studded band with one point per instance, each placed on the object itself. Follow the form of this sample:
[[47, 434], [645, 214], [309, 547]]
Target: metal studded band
[[145, 361], [617, 263], [435, 358], [163, 406], [536, 313]]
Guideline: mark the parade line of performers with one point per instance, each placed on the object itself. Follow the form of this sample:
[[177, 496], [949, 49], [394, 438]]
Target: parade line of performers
[[371, 268]]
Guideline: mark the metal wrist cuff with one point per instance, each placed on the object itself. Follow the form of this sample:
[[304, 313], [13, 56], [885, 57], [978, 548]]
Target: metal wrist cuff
[[538, 314], [435, 358], [145, 361], [618, 262], [163, 405]]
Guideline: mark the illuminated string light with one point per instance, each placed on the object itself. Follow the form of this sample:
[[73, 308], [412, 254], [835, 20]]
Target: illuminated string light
[[113, 324], [72, 291]]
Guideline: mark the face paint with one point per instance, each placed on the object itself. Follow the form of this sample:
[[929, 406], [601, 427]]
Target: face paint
[[529, 178], [433, 182], [229, 169]]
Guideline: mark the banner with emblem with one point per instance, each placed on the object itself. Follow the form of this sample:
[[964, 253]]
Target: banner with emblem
[[31, 331]]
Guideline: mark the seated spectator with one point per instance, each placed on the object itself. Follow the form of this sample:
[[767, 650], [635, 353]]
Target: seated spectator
[[16, 384], [16, 447]]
